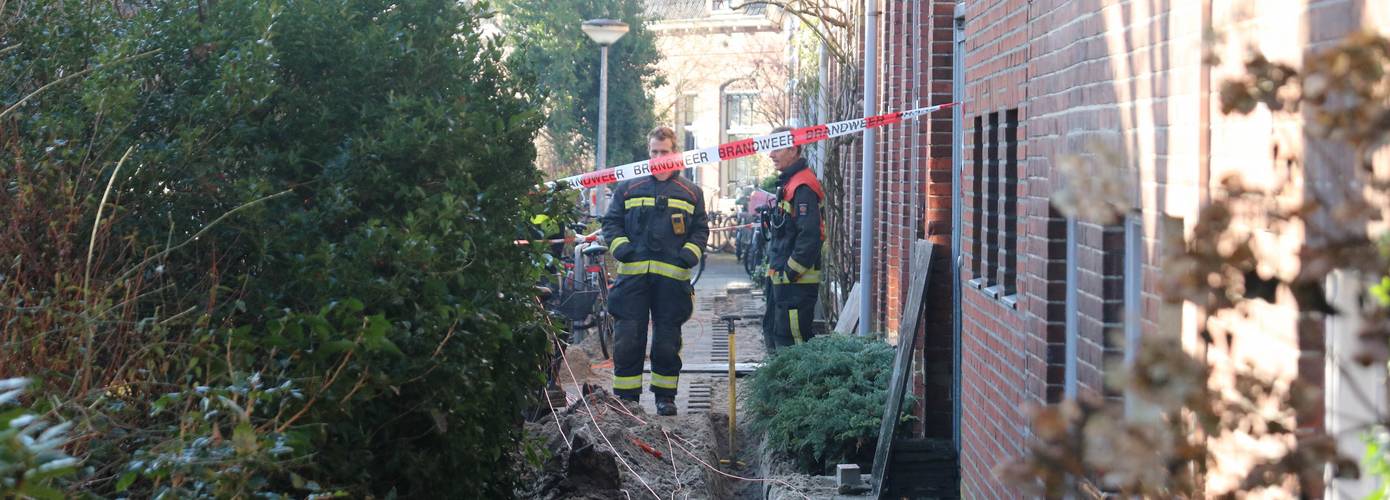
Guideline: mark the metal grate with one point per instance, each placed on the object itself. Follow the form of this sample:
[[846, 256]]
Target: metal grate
[[698, 397]]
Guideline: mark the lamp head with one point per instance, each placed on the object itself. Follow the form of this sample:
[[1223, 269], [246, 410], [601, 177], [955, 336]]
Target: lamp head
[[604, 31]]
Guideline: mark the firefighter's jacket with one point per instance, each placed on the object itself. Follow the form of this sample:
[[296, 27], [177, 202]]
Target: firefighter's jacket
[[794, 253], [656, 227]]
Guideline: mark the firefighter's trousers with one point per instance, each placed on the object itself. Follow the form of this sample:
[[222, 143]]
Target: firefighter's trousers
[[664, 303], [793, 310]]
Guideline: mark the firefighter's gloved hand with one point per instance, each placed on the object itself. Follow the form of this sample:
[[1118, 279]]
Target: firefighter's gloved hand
[[622, 250], [785, 272], [688, 258]]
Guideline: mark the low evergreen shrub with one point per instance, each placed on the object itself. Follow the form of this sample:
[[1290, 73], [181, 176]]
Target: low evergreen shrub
[[821, 402]]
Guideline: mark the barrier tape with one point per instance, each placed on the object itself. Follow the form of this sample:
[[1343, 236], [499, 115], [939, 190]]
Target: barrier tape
[[731, 228], [738, 149], [594, 237], [571, 238]]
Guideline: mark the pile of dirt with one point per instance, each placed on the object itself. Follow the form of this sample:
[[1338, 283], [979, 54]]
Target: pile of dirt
[[603, 447]]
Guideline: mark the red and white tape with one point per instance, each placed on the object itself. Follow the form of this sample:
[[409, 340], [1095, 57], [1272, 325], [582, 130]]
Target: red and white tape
[[738, 149], [730, 228], [569, 238], [595, 237]]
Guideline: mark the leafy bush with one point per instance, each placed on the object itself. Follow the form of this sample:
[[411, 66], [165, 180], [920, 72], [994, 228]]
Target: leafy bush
[[31, 454], [207, 201], [821, 402]]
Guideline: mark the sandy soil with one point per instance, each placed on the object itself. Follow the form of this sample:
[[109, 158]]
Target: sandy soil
[[674, 457]]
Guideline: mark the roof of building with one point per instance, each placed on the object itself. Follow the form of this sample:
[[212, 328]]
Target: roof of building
[[662, 10]]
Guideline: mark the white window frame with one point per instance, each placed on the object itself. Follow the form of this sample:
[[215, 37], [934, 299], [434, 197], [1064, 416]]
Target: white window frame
[[1069, 388], [748, 128], [1134, 299]]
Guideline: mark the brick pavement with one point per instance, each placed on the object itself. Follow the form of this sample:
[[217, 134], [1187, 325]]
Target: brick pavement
[[723, 288]]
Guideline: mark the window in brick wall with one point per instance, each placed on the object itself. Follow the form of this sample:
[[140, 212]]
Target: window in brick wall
[[991, 201], [687, 110], [995, 242], [689, 142], [977, 216], [738, 111], [1133, 296], [740, 170], [1008, 223]]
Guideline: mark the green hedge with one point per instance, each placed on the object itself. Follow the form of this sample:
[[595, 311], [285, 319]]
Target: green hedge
[[305, 267], [821, 402]]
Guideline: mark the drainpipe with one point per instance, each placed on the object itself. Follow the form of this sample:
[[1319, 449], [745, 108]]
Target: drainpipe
[[918, 185], [957, 207], [866, 214]]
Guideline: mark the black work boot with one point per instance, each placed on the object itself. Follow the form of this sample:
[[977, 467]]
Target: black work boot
[[666, 405]]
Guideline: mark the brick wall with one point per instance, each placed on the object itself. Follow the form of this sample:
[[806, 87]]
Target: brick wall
[[999, 352], [1114, 81], [913, 186], [1119, 82]]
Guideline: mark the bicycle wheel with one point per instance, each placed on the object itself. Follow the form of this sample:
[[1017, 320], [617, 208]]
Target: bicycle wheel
[[605, 335], [699, 272], [751, 258], [604, 324]]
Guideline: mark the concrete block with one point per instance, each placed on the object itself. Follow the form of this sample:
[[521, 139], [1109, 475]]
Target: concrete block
[[847, 475]]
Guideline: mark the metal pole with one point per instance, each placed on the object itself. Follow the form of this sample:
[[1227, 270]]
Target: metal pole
[[957, 206], [866, 215], [733, 397], [602, 158], [822, 106]]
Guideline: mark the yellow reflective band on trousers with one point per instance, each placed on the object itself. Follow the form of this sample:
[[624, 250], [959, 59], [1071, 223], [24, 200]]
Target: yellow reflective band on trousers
[[695, 249], [664, 382], [807, 278], [633, 382], [617, 242], [647, 201], [655, 267], [795, 319]]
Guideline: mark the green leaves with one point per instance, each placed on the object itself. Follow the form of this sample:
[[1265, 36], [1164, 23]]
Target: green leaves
[[820, 402], [31, 449], [384, 285], [553, 51]]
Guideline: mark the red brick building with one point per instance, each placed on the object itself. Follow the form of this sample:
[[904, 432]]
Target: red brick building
[[1047, 304]]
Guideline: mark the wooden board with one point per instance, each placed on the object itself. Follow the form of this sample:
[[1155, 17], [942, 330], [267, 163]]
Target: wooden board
[[849, 314], [902, 363]]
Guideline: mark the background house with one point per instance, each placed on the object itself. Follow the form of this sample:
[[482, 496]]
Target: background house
[[726, 75]]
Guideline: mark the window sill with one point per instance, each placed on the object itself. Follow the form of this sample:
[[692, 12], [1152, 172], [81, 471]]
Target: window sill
[[996, 292]]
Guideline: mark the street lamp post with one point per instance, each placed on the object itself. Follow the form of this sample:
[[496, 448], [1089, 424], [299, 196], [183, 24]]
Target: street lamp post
[[604, 32]]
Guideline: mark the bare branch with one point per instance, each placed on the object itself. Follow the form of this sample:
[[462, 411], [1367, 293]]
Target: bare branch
[[21, 102]]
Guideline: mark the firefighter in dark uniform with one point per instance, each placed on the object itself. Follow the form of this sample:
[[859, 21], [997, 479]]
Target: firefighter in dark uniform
[[656, 228], [794, 259]]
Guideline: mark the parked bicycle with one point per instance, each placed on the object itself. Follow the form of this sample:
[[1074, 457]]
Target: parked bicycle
[[583, 294], [721, 241], [754, 255]]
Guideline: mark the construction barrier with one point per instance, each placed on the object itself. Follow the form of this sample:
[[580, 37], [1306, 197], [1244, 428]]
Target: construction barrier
[[738, 149]]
